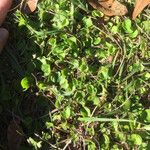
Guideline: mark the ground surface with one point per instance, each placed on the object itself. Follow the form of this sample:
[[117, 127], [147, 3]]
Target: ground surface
[[76, 79]]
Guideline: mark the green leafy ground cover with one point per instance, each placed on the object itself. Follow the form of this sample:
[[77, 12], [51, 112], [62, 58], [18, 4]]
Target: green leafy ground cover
[[76, 79]]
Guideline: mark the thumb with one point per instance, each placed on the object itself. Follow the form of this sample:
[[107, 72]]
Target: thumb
[[3, 38], [4, 7]]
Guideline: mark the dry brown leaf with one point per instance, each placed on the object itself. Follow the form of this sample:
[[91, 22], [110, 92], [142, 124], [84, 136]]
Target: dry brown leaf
[[139, 6], [14, 135], [109, 7], [29, 6], [110, 59]]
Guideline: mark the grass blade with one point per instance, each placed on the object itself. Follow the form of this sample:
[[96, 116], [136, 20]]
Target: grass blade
[[93, 119]]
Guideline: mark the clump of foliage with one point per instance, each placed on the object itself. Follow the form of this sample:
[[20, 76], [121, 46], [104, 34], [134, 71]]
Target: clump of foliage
[[89, 77]]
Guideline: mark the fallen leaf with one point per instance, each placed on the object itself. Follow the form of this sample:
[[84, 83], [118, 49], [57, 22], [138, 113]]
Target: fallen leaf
[[109, 7], [110, 59], [29, 6], [139, 6], [14, 135]]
